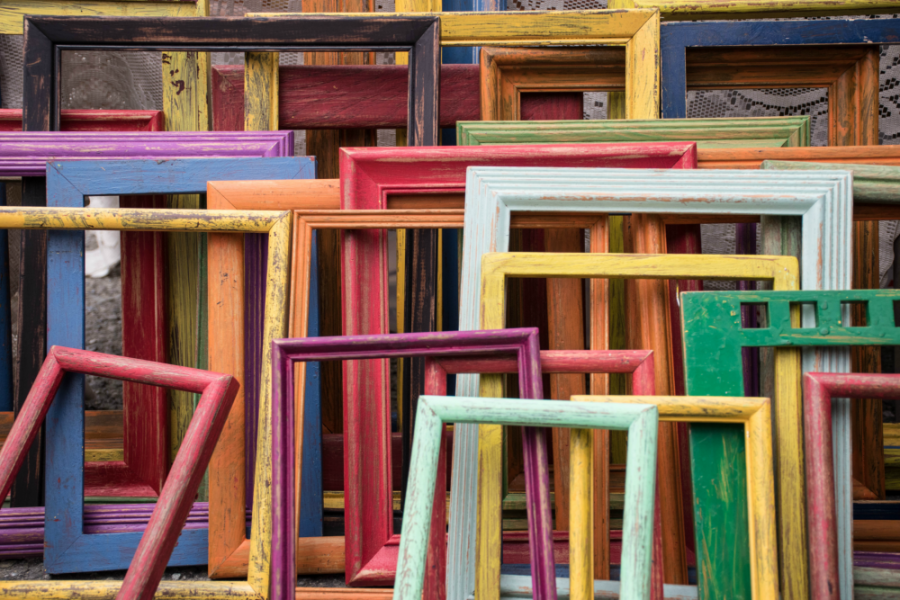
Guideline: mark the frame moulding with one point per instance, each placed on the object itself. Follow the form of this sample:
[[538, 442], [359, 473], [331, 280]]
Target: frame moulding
[[496, 193], [498, 266]]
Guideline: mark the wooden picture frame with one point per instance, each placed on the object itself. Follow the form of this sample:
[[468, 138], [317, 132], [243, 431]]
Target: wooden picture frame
[[26, 155], [824, 318], [496, 267], [493, 194], [169, 515], [635, 29], [92, 120], [225, 311], [15, 11], [379, 178], [694, 10], [374, 280], [707, 133], [755, 415], [76, 180], [434, 411], [370, 539]]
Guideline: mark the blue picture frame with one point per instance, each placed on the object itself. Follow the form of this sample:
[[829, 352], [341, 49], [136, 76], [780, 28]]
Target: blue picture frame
[[676, 37], [67, 548]]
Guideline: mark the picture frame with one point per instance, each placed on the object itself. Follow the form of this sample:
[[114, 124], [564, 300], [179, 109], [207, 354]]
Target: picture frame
[[379, 178], [371, 551], [14, 12], [707, 133], [373, 280], [755, 414], [68, 183], [162, 534], [26, 155], [830, 309], [434, 411], [491, 189], [692, 10], [92, 120], [224, 307], [496, 267]]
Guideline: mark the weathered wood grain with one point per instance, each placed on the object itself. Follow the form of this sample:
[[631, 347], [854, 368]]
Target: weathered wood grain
[[742, 9]]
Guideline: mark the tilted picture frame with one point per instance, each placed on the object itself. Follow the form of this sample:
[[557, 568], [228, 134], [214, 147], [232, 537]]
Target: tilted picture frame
[[497, 267], [825, 327], [225, 304], [755, 414], [169, 516], [26, 155], [491, 189], [434, 411]]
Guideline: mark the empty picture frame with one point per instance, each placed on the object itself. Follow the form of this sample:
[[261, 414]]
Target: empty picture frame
[[824, 326], [677, 38], [818, 390], [494, 194], [434, 411], [693, 10], [497, 267], [371, 543], [755, 414], [26, 155], [162, 533], [225, 308], [382, 178]]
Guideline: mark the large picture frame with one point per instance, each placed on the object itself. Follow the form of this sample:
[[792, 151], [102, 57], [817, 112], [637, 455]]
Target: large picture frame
[[434, 411], [169, 515], [828, 331], [494, 195], [26, 155], [68, 183], [225, 311], [497, 267], [755, 415]]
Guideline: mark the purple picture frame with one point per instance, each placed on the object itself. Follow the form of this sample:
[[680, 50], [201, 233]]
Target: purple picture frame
[[523, 342], [26, 153]]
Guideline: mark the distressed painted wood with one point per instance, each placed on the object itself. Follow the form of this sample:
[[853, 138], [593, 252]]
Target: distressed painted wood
[[92, 120], [371, 544], [26, 154], [13, 11], [827, 330], [755, 415], [708, 133], [492, 202], [677, 38], [498, 266], [317, 97], [381, 178], [225, 304], [694, 10], [434, 411], [169, 516]]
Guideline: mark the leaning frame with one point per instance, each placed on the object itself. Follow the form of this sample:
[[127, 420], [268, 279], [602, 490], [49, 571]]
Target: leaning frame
[[26, 154], [68, 184], [497, 267], [827, 332], [434, 411], [225, 307], [371, 544], [169, 515], [824, 203], [755, 414]]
